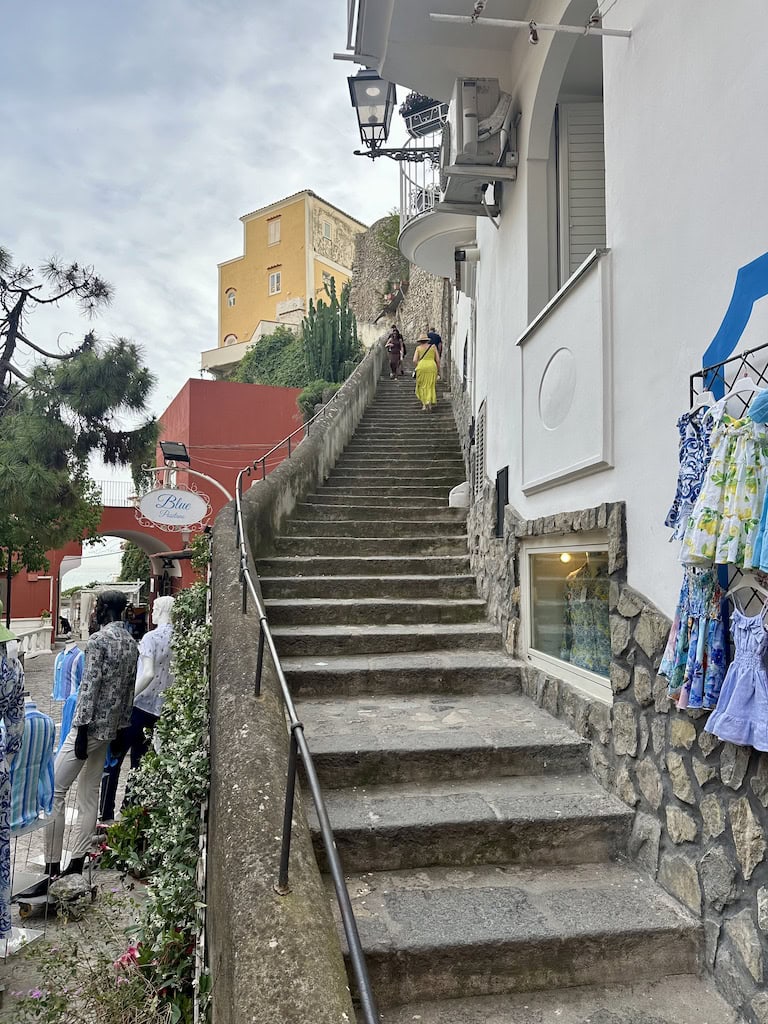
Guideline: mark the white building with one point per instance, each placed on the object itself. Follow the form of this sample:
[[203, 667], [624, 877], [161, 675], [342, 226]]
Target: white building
[[640, 193]]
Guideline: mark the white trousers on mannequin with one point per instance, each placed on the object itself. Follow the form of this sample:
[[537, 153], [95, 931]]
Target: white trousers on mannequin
[[88, 773]]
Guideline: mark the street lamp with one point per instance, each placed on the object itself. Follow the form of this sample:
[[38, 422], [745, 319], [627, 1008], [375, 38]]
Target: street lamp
[[174, 451], [374, 100]]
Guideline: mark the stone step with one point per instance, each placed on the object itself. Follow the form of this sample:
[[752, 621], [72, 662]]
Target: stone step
[[426, 501], [365, 565], [409, 478], [682, 999], [405, 490], [450, 656], [302, 539], [381, 529], [390, 514], [357, 740], [536, 820], [401, 444], [449, 933], [346, 587], [390, 466], [307, 611]]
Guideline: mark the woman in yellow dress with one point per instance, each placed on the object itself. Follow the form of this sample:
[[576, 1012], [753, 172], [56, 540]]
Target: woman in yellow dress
[[427, 363]]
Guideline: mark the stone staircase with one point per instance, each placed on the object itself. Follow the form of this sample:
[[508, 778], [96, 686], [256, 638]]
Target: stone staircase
[[482, 857]]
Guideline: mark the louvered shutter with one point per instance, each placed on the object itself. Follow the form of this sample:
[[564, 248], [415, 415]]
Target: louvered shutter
[[478, 467], [582, 183]]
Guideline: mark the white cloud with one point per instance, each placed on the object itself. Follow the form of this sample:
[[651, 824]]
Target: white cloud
[[136, 134]]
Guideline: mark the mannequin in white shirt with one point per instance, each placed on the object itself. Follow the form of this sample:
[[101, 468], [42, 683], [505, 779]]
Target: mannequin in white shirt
[[153, 676]]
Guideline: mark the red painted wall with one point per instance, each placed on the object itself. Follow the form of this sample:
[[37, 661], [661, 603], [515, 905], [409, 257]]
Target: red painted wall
[[226, 425]]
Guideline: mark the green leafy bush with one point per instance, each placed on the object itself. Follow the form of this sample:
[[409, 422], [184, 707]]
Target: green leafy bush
[[277, 359], [313, 394]]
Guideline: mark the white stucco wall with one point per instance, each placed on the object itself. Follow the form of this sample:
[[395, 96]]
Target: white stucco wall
[[686, 143]]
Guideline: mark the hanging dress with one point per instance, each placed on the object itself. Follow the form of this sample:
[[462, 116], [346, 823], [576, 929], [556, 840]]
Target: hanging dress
[[723, 525], [695, 656], [426, 377], [694, 452], [12, 716], [741, 715]]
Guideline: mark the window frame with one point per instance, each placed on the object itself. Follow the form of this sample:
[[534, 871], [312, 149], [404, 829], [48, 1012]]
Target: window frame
[[231, 296], [277, 277], [590, 683], [328, 237], [273, 222]]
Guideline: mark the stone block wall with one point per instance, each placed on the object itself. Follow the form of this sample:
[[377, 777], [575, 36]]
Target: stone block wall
[[701, 805]]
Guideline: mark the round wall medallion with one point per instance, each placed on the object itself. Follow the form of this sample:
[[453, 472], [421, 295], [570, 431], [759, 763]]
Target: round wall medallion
[[558, 384]]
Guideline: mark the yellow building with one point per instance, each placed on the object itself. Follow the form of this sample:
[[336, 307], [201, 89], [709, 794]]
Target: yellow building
[[291, 248]]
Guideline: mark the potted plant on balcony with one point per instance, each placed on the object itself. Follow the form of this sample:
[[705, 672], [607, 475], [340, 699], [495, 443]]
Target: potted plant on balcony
[[422, 114]]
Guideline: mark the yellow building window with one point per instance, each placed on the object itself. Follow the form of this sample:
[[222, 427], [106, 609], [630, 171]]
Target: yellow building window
[[231, 297], [327, 230], [273, 231], [274, 282], [231, 339]]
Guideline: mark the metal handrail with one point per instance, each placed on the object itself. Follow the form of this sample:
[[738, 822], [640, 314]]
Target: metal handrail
[[287, 440], [299, 745]]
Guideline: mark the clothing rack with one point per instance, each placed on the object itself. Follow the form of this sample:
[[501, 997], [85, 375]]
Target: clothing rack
[[720, 378]]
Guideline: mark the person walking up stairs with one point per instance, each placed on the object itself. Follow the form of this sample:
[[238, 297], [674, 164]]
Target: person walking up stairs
[[483, 859]]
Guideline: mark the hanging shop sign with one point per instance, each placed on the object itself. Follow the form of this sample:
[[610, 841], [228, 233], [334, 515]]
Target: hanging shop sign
[[173, 508]]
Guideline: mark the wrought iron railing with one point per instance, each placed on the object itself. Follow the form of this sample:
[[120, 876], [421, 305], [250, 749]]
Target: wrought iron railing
[[419, 180], [117, 493], [298, 743]]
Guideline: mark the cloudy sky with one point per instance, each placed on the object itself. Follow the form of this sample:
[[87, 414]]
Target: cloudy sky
[[137, 132]]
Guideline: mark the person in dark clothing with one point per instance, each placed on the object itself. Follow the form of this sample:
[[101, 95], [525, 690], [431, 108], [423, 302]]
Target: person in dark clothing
[[396, 351], [436, 340]]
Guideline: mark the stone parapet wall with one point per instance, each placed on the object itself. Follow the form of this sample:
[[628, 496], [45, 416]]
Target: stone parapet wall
[[701, 805], [273, 958]]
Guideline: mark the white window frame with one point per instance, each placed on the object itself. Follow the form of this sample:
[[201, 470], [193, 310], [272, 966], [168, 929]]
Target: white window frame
[[231, 298], [275, 282], [588, 682], [273, 231], [328, 234]]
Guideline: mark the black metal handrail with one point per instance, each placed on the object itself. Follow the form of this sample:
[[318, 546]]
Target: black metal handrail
[[304, 428], [298, 745]]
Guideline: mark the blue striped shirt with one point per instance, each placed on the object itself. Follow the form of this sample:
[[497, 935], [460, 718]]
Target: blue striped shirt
[[32, 769], [67, 672]]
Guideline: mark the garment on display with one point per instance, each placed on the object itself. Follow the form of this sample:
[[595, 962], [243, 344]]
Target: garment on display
[[694, 428], [694, 660], [587, 633], [32, 769], [67, 671], [11, 736]]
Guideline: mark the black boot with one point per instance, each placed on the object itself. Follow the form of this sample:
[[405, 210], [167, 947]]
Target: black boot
[[75, 866], [52, 870]]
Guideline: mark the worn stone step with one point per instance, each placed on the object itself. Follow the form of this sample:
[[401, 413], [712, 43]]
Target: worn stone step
[[306, 611], [358, 740], [443, 933], [390, 467], [380, 639], [385, 513], [365, 565], [410, 530], [405, 478], [401, 444], [538, 820], [399, 489], [303, 539], [346, 497], [682, 999], [333, 586]]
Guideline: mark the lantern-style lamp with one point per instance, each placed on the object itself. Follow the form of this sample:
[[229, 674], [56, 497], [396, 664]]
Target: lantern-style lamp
[[373, 100]]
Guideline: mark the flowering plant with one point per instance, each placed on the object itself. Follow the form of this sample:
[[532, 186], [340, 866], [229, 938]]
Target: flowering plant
[[416, 101]]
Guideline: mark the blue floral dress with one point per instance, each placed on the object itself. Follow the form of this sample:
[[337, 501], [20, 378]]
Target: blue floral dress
[[742, 711], [695, 656], [11, 734], [695, 452]]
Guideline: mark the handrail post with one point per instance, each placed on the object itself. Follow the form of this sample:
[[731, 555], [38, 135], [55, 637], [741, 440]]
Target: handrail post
[[289, 446], [259, 659], [282, 887]]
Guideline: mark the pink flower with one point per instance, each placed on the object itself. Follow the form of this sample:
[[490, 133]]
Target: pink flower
[[128, 959]]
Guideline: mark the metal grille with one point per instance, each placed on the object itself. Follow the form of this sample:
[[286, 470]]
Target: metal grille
[[719, 379], [478, 474]]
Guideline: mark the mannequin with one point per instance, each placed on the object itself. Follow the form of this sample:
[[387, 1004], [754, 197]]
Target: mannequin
[[32, 769], [153, 676], [102, 714], [67, 671], [12, 715]]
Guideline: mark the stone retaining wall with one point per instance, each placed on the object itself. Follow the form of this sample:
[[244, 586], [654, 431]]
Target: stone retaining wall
[[273, 958], [701, 806]]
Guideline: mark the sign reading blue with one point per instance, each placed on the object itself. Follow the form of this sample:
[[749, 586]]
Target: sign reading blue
[[173, 507]]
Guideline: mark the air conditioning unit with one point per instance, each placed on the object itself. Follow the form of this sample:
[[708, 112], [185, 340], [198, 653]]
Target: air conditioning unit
[[477, 144]]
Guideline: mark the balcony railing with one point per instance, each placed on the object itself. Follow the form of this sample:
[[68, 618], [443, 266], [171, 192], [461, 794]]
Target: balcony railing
[[117, 493], [419, 181], [428, 121]]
